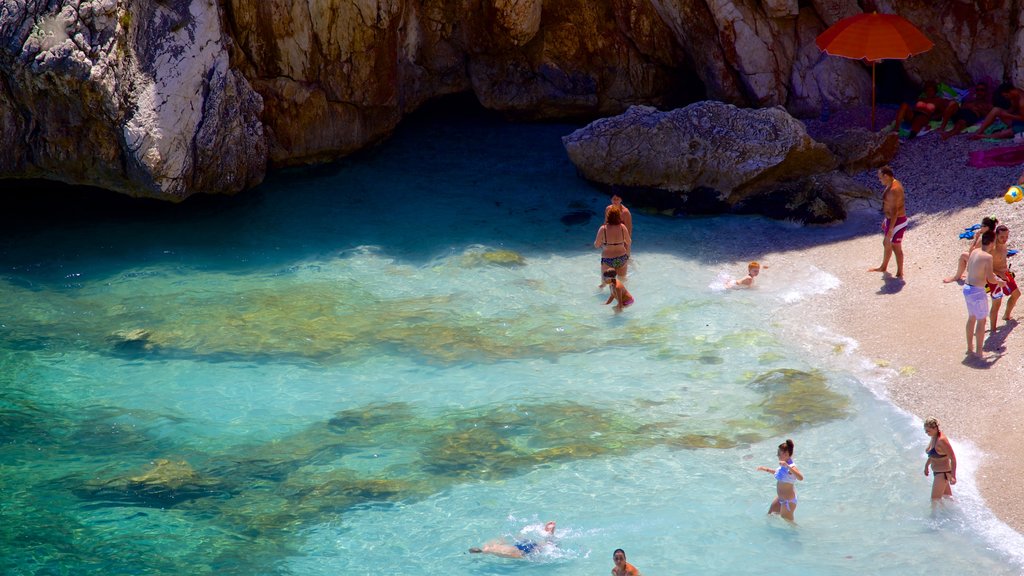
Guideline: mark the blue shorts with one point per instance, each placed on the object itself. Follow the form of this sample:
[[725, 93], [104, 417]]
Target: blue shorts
[[526, 547]]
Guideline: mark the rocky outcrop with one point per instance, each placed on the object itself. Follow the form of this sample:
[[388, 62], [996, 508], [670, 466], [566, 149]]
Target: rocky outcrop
[[138, 99], [731, 150], [166, 98], [712, 153]]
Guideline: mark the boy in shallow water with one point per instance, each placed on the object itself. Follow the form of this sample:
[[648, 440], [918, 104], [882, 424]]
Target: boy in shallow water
[[619, 291], [753, 269]]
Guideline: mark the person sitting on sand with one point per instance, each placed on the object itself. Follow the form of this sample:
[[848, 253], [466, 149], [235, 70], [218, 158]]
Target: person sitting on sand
[[753, 269], [1008, 109], [619, 292], [979, 275], [895, 222], [1001, 267], [975, 106], [519, 549], [988, 224], [941, 460], [622, 568], [929, 106]]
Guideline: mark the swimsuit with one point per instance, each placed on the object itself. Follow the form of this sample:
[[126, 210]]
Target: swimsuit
[[900, 228], [784, 475], [526, 547], [613, 243], [998, 292], [616, 262], [627, 302], [977, 303]]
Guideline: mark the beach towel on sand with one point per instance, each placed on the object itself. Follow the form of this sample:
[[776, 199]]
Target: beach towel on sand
[[1002, 156]]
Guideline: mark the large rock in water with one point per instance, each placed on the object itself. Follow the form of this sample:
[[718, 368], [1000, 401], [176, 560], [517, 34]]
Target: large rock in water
[[733, 152]]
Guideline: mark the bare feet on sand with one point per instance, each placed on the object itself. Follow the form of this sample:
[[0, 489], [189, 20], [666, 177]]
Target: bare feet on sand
[[952, 279]]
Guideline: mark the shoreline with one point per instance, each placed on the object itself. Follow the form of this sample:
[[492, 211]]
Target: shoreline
[[916, 328]]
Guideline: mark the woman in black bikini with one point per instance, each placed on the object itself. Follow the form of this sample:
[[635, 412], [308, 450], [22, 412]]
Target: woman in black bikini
[[613, 240], [941, 461]]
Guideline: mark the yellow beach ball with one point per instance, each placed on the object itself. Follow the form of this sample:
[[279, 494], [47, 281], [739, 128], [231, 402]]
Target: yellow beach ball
[[1014, 194]]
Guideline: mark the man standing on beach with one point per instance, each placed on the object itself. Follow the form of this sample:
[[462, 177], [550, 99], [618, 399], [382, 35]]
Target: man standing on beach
[[1001, 267], [895, 222], [979, 274]]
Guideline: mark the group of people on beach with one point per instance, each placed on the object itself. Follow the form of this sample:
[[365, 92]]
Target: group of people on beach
[[985, 263], [957, 110]]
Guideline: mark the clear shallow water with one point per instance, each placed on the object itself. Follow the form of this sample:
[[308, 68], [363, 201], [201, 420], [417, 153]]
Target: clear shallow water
[[353, 369]]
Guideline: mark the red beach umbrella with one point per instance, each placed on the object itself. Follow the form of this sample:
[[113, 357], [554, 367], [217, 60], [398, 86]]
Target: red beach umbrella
[[873, 37]]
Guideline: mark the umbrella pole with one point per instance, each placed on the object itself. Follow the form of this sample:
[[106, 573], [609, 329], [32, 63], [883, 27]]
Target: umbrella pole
[[872, 95]]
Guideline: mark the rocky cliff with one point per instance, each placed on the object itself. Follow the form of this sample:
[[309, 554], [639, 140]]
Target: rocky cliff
[[166, 98]]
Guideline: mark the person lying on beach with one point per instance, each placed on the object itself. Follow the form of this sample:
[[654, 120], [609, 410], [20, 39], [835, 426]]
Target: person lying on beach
[[786, 476], [1001, 267], [1008, 109], [979, 275], [622, 568], [518, 549], [988, 224], [975, 106], [929, 106], [753, 269], [941, 460], [619, 292]]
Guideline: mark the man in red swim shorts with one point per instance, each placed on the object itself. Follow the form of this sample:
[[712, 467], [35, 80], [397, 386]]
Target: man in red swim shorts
[[895, 222], [1001, 268]]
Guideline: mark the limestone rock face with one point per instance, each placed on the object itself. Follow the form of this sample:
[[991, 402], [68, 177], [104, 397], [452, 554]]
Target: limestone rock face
[[137, 98], [708, 145], [166, 98]]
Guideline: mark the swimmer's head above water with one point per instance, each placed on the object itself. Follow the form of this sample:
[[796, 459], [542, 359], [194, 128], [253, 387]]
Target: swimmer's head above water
[[753, 268]]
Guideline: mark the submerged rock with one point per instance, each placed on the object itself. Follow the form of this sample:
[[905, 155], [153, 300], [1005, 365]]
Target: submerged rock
[[163, 485], [505, 258], [795, 397]]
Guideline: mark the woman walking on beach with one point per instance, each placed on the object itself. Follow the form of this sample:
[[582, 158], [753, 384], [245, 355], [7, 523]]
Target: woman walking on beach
[[941, 461], [613, 240], [786, 476]]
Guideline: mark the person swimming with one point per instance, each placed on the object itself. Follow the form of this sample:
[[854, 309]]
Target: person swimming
[[753, 269], [518, 549]]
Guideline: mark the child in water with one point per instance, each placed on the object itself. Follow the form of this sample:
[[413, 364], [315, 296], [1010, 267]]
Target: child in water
[[753, 269], [619, 291]]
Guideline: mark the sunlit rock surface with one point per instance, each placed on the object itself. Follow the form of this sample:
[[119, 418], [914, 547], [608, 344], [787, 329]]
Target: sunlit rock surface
[[138, 98], [170, 98], [707, 148]]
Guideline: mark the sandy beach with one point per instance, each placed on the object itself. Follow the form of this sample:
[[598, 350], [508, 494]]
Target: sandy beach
[[916, 327]]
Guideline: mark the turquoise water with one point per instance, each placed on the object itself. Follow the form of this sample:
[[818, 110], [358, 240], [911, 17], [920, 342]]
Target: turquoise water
[[374, 366]]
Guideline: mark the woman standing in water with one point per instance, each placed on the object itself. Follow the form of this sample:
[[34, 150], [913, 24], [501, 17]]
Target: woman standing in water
[[613, 240], [786, 475], [941, 460]]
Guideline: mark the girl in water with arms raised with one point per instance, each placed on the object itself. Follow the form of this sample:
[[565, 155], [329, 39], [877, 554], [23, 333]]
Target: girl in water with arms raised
[[786, 475]]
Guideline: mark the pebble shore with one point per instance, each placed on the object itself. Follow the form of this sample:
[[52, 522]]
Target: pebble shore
[[915, 328]]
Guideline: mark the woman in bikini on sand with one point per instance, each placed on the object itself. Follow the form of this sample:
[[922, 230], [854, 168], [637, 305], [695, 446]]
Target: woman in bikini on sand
[[941, 461]]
